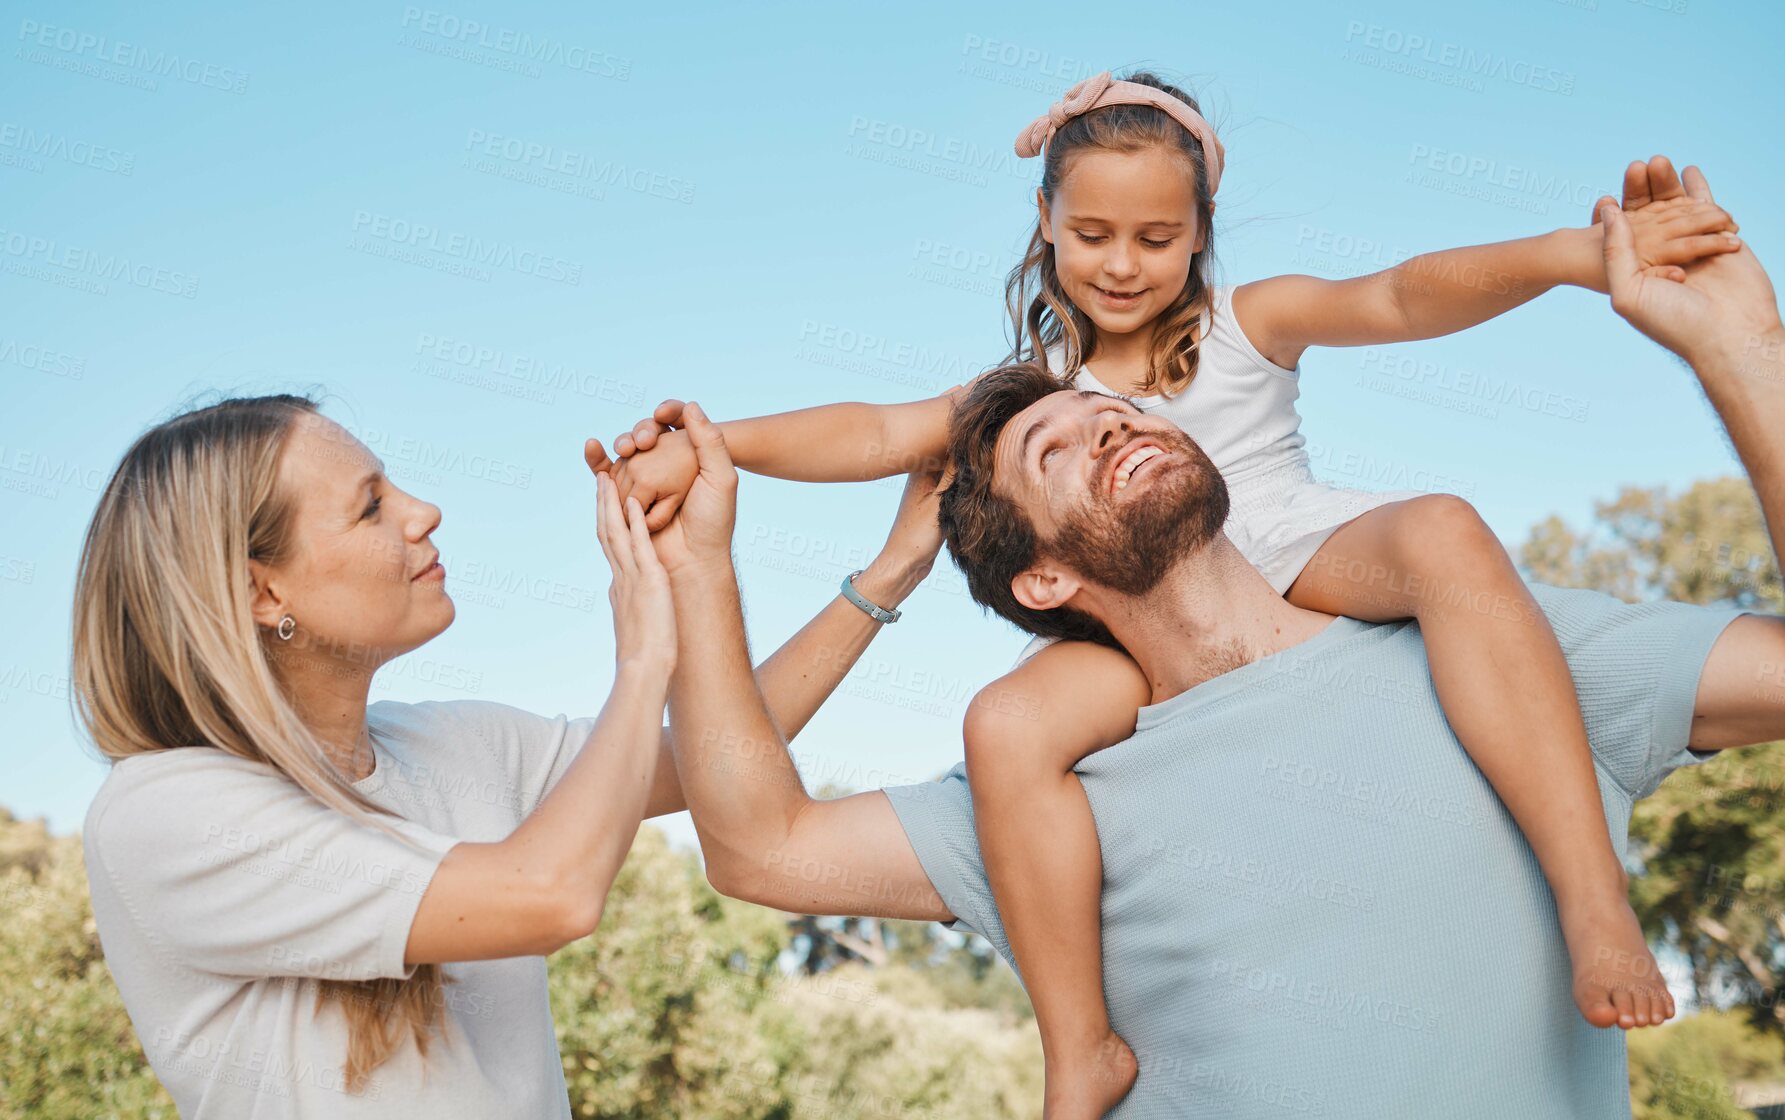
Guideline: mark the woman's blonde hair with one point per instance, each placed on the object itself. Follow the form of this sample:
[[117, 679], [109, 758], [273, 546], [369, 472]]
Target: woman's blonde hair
[[1043, 316], [167, 654]]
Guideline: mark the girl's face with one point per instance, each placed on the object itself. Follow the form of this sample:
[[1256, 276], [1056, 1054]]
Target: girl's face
[[364, 585], [1123, 227]]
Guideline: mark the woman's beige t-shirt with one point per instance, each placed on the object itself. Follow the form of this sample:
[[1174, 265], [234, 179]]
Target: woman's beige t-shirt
[[224, 893]]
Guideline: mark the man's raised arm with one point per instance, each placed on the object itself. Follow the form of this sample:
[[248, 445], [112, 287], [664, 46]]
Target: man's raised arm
[[1721, 315], [764, 839]]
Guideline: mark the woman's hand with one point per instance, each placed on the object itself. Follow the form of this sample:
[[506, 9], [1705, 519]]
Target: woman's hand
[[644, 613]]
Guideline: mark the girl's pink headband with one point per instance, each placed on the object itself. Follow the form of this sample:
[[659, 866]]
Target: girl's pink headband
[[1102, 90]]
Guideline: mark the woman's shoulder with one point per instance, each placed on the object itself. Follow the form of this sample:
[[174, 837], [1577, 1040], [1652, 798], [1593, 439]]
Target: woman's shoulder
[[457, 718], [153, 770], [144, 794]]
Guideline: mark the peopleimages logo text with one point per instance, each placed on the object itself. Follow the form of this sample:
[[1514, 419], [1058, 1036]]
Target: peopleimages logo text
[[161, 64], [1455, 56]]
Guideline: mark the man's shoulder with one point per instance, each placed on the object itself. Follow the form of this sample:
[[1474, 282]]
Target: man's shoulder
[[1582, 617]]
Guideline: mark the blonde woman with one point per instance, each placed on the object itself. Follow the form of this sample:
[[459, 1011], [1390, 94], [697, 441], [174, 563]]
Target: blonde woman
[[317, 906]]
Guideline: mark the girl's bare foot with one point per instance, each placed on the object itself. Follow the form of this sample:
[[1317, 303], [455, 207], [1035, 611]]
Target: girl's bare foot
[[1616, 980], [1086, 1084]]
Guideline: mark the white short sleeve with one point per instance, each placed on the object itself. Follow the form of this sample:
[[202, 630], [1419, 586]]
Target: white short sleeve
[[225, 867]]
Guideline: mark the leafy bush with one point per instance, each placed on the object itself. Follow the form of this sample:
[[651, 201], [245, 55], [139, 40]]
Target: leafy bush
[[675, 1008]]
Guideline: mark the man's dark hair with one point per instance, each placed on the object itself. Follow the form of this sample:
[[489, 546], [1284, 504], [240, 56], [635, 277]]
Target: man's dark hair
[[990, 537]]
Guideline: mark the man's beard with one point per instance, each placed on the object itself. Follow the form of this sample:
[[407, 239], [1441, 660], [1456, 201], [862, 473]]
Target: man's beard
[[1129, 547]]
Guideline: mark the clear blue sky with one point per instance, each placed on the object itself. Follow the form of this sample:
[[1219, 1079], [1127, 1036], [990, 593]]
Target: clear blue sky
[[492, 230]]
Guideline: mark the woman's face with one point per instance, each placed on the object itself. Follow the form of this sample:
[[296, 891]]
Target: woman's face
[[363, 584], [1123, 227]]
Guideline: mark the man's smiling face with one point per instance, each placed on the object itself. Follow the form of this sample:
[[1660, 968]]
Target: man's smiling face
[[1115, 495]]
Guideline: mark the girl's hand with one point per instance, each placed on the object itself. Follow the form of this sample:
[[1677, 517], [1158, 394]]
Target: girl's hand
[[1668, 233], [656, 464], [643, 435], [659, 479], [644, 613]]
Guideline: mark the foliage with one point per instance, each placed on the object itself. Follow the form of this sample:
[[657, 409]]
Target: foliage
[[1708, 545], [1709, 846], [67, 1050], [677, 1007], [1687, 1070]]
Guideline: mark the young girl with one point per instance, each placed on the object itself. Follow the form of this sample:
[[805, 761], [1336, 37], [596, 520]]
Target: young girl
[[1114, 293]]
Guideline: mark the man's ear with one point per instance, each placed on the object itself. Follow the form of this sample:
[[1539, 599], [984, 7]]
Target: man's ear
[[266, 604], [1047, 225], [1044, 587]]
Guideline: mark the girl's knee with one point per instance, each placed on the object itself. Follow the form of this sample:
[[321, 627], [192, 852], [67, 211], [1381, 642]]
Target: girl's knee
[[1446, 524]]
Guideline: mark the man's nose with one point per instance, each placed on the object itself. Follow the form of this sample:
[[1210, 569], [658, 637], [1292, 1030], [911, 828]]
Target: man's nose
[[1108, 427]]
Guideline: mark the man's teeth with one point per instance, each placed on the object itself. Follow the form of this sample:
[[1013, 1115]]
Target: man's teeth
[[1131, 461]]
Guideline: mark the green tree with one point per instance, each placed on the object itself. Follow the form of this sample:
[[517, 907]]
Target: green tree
[[1690, 1070], [1708, 848], [672, 996], [678, 1006], [67, 1050], [1707, 545]]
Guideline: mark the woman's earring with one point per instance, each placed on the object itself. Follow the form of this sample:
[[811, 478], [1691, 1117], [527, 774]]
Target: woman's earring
[[287, 627]]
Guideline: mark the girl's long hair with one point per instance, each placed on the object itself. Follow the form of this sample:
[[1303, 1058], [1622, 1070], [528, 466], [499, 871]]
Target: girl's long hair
[[1041, 314], [166, 654]]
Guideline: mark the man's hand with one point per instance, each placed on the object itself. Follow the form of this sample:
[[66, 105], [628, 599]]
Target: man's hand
[[1717, 307], [699, 536], [1674, 229]]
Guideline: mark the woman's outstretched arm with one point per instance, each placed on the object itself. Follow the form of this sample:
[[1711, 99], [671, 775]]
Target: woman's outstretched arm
[[546, 884]]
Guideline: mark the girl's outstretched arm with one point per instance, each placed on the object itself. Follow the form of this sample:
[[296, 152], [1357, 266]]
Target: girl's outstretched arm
[[1441, 293], [848, 442]]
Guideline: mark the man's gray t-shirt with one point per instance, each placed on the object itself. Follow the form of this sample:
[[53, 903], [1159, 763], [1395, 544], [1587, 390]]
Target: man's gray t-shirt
[[1313, 902]]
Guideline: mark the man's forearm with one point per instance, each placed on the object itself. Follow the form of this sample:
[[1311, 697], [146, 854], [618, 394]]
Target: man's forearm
[[1744, 377], [735, 772]]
